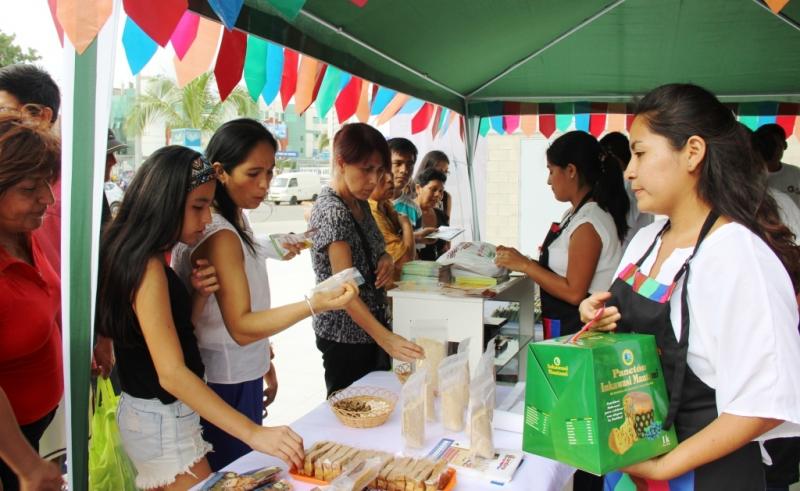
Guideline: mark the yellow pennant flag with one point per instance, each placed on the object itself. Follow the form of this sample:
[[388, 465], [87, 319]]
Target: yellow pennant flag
[[362, 113], [200, 54], [306, 80], [391, 109]]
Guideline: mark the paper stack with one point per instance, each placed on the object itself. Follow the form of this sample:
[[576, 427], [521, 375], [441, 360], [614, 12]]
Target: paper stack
[[427, 273]]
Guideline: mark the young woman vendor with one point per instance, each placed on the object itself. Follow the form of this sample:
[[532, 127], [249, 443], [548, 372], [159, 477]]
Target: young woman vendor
[[715, 284]]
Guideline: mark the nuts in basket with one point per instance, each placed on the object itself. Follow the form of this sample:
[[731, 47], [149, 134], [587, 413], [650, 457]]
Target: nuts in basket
[[362, 407]]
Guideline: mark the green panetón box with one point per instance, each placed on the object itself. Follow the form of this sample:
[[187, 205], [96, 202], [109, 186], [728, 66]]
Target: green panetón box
[[597, 404]]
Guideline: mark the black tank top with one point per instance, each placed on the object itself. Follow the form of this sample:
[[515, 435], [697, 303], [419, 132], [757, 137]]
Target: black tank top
[[137, 374]]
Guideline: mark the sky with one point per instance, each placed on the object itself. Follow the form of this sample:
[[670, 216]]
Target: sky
[[30, 21]]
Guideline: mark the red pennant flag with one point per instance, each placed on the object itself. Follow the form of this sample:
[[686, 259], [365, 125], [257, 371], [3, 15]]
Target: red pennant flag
[[347, 102], [787, 113], [597, 119], [289, 78], [53, 14], [436, 117], [157, 18], [422, 119], [547, 124], [359, 3], [628, 121], [230, 61]]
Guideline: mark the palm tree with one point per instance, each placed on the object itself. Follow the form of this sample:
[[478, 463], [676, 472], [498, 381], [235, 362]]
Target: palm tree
[[194, 106]]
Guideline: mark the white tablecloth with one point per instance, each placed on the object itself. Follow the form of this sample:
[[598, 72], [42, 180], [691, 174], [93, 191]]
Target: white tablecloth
[[534, 474]]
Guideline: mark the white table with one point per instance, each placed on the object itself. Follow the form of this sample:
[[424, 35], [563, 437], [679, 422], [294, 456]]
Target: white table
[[463, 314], [535, 474]]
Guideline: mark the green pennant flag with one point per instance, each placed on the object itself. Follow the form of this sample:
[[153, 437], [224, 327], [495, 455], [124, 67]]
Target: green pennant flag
[[483, 129], [564, 116], [328, 90], [288, 8], [255, 66]]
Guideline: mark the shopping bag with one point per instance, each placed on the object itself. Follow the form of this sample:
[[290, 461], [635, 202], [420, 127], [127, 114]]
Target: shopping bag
[[110, 469]]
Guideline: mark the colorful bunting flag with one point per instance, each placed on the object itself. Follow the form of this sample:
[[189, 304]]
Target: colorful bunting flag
[[528, 121], [361, 3], [412, 106], [547, 119], [54, 15], [227, 10], [629, 121], [392, 108], [616, 118], [158, 18], [347, 102], [437, 116], [484, 126], [275, 62], [318, 84], [329, 88], [797, 128], [306, 80], [786, 117], [288, 8], [582, 110], [748, 115], [362, 112], [451, 115], [597, 119], [766, 113], [139, 47], [200, 54], [185, 33], [776, 5], [564, 116], [230, 62], [289, 78], [381, 99], [82, 20], [255, 66], [511, 119], [422, 119]]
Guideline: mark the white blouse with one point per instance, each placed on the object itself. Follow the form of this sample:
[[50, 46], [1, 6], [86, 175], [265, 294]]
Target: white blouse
[[610, 254], [225, 360], [743, 335]]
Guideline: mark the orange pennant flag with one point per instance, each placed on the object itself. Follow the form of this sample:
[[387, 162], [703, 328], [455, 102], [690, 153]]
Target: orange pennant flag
[[616, 118], [392, 108], [82, 20], [776, 5], [362, 113], [306, 80], [529, 121], [200, 54], [797, 128]]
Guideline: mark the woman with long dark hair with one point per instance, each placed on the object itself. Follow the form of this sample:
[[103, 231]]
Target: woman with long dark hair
[[721, 273], [581, 252], [145, 308], [233, 328]]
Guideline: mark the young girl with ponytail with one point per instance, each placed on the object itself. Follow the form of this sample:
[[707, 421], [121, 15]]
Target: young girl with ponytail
[[726, 328]]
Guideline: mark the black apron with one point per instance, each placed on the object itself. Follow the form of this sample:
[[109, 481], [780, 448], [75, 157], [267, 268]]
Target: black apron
[[692, 403], [559, 318]]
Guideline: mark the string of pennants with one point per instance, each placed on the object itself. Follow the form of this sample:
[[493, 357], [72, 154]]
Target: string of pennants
[[269, 70]]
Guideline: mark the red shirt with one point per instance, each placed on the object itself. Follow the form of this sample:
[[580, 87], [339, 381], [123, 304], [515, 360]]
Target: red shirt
[[31, 371]]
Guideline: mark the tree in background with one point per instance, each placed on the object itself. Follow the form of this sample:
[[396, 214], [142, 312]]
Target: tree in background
[[196, 105], [10, 53]]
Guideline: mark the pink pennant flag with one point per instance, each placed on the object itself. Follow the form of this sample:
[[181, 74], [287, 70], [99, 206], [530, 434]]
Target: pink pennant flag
[[157, 18], [359, 3], [306, 81], [392, 108], [529, 121], [511, 118], [616, 118], [200, 54], [56, 23], [362, 112], [776, 5], [82, 20], [185, 33]]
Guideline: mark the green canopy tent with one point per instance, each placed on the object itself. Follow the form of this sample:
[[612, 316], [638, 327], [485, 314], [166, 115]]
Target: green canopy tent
[[473, 56], [476, 57]]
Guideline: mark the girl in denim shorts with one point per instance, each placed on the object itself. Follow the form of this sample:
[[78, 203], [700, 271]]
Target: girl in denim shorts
[[145, 308]]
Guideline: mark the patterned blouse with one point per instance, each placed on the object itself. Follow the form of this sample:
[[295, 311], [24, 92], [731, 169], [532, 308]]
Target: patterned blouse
[[334, 222]]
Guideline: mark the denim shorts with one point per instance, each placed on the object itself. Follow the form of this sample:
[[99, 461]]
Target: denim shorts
[[162, 440]]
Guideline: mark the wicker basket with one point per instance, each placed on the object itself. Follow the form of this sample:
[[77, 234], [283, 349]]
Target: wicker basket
[[362, 407]]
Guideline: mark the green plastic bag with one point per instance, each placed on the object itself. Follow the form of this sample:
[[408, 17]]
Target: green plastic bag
[[110, 469]]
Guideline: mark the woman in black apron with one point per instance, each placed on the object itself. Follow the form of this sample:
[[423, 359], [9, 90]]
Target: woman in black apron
[[580, 174], [686, 145]]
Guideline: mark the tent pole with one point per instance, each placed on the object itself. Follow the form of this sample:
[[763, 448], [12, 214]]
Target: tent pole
[[471, 127], [76, 283]]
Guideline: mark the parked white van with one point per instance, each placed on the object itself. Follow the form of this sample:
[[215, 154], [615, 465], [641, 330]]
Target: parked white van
[[293, 187]]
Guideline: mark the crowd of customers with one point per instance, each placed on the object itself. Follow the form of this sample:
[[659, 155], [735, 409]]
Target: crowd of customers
[[184, 314]]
